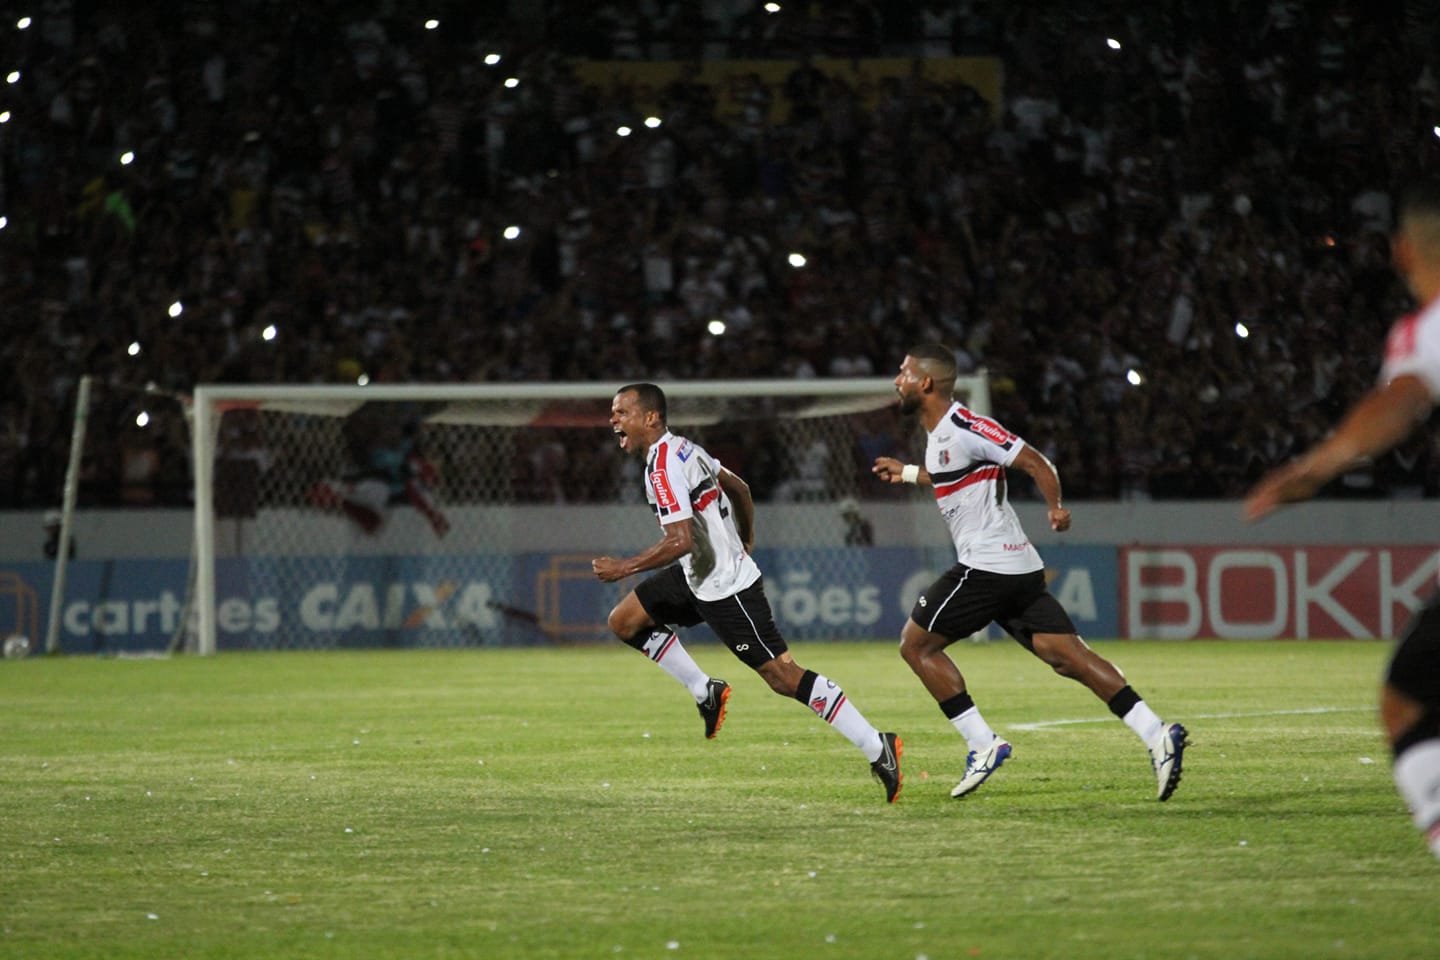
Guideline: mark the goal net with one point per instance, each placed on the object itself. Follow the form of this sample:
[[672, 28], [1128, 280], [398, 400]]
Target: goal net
[[467, 515]]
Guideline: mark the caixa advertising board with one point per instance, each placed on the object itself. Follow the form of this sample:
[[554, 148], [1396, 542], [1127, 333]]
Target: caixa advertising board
[[134, 606]]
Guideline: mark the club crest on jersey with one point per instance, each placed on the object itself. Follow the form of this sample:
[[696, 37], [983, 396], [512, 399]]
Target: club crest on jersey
[[944, 458]]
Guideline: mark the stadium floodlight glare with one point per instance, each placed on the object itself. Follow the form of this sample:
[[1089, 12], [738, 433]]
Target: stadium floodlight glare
[[622, 131], [512, 82], [176, 308], [127, 158], [511, 232], [431, 24], [797, 260], [142, 419], [1242, 331], [491, 59], [653, 122], [134, 348], [716, 327], [269, 333], [1112, 43], [1133, 377]]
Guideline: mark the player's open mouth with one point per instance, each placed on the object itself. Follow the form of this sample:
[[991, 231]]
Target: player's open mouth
[[624, 440]]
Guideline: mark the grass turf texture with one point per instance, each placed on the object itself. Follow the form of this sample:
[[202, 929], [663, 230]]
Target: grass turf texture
[[563, 803]]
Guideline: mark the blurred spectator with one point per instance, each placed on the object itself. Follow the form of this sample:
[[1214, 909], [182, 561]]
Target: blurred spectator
[[1175, 215]]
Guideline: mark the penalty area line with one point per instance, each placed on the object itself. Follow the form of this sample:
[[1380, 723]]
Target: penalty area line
[[1045, 724]]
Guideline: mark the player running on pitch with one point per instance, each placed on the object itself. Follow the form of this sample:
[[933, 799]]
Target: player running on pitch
[[707, 521], [999, 575]]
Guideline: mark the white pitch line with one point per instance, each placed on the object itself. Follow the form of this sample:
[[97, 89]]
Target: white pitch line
[[1203, 716]]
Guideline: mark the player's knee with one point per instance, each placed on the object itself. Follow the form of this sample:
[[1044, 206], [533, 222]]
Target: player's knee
[[1060, 653], [917, 643], [624, 622]]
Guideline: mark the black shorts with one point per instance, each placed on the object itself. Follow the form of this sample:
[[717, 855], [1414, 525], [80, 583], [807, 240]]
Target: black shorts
[[743, 621], [1415, 665], [965, 600]]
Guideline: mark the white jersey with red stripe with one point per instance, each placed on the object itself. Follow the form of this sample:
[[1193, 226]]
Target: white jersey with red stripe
[[1413, 348], [682, 482], [966, 456]]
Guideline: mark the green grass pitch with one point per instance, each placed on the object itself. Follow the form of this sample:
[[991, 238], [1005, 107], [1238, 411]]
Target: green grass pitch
[[564, 804]]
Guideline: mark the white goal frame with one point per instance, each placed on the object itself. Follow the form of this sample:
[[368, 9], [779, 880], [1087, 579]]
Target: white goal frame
[[832, 396]]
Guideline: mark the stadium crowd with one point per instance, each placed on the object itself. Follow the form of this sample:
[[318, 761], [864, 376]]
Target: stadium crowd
[[1177, 215]]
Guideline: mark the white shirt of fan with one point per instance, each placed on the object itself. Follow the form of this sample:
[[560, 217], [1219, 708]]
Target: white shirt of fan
[[682, 481], [966, 456]]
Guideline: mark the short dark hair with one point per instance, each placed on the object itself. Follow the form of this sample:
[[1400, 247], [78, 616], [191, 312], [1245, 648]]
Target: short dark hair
[[937, 358], [650, 397]]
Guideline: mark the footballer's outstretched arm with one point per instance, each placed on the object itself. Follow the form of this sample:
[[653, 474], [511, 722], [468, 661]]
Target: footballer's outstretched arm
[[679, 539]]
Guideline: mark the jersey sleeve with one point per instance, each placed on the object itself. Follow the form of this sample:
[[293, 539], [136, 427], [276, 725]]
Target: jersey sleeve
[[985, 439], [1413, 349], [669, 487]]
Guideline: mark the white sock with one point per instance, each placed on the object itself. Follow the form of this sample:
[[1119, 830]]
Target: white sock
[[665, 648], [1144, 721], [831, 705], [974, 729], [1417, 775]]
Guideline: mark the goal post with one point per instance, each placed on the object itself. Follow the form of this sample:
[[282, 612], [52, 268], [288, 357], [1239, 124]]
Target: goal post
[[439, 514]]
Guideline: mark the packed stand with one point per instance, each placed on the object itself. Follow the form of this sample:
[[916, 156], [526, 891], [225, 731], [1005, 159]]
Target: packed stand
[[316, 192]]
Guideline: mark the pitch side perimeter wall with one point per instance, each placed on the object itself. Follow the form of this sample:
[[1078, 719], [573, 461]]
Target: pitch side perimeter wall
[[1175, 571]]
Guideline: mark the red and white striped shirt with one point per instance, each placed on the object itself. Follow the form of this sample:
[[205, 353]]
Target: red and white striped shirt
[[682, 481], [966, 456]]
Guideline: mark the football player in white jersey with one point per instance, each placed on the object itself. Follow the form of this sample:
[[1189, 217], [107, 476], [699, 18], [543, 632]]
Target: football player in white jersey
[[998, 575], [1400, 402], [705, 572]]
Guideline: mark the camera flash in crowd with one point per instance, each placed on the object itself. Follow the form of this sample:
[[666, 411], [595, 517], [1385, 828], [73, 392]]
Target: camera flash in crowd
[[142, 419], [1112, 43], [491, 59], [512, 82], [13, 76], [797, 260], [269, 333], [1133, 377], [23, 23], [716, 327], [432, 24], [1242, 331], [772, 7], [622, 131], [511, 232], [127, 158], [652, 122], [4, 116], [134, 348], [177, 308]]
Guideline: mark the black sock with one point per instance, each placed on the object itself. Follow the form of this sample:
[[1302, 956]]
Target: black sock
[[806, 686], [1125, 698], [956, 705]]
